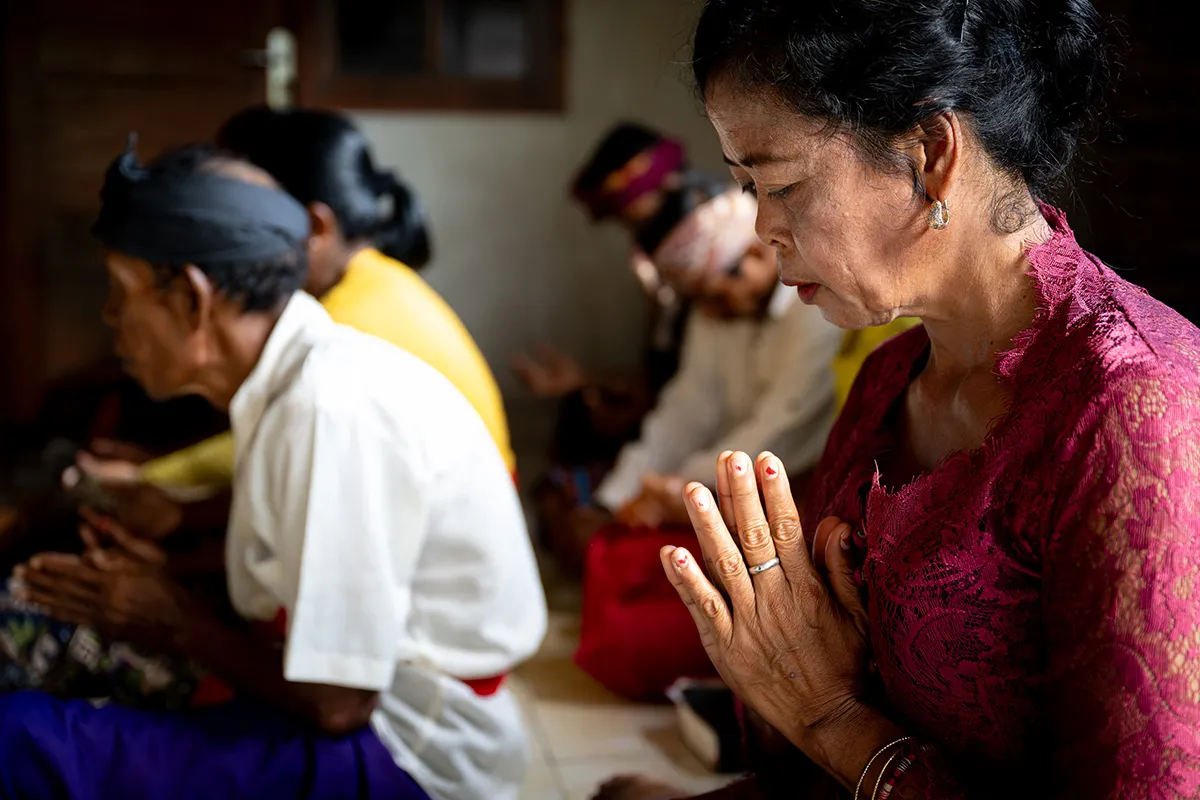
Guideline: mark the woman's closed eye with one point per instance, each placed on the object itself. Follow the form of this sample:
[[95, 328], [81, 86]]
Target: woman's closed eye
[[778, 194]]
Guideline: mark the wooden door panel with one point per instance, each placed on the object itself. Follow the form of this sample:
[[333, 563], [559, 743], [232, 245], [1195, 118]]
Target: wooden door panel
[[79, 76], [72, 278], [142, 39], [162, 117]]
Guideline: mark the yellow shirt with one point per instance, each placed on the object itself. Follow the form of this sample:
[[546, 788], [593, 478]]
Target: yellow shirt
[[384, 298], [856, 346]]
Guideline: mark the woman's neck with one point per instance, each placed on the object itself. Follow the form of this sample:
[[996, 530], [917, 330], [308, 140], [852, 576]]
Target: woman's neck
[[321, 282], [986, 299]]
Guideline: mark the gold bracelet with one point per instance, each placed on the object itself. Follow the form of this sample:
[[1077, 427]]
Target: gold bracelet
[[878, 753], [883, 774]]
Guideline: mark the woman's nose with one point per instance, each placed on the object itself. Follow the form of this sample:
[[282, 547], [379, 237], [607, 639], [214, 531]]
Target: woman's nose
[[770, 225]]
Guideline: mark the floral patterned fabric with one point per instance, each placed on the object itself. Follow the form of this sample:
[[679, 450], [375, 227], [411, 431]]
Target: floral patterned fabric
[[37, 652], [1035, 604]]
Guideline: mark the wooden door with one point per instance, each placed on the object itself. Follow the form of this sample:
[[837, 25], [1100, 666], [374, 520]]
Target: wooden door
[[78, 77]]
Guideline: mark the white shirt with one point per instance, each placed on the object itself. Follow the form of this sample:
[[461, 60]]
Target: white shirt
[[371, 504], [746, 384]]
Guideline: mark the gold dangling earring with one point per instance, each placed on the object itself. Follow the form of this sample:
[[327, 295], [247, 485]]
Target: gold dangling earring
[[939, 215]]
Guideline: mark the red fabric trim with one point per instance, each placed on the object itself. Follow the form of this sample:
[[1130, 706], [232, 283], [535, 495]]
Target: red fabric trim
[[213, 691], [486, 687]]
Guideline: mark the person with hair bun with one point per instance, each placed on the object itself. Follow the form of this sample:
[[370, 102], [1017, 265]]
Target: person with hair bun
[[993, 593], [379, 580], [369, 237]]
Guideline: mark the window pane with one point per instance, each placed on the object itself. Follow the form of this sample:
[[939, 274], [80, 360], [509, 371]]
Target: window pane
[[486, 38], [381, 36]]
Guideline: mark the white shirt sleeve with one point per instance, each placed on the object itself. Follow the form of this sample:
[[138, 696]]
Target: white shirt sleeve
[[352, 519], [686, 417], [793, 415]]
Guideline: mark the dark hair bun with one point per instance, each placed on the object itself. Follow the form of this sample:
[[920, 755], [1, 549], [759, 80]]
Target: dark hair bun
[[1028, 74], [320, 157], [402, 233]]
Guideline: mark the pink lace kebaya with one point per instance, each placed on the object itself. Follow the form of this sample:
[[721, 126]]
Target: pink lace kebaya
[[1035, 604]]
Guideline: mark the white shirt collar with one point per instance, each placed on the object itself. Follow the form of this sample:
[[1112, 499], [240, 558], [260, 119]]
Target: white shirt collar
[[287, 346]]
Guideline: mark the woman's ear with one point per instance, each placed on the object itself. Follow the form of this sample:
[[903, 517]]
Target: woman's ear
[[322, 221], [937, 155]]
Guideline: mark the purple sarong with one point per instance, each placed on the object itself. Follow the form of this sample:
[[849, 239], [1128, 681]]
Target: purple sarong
[[52, 748]]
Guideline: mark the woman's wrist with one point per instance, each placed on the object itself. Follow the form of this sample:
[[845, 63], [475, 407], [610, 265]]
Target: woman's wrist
[[845, 744]]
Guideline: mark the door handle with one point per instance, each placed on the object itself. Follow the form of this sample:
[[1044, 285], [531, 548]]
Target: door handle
[[278, 62]]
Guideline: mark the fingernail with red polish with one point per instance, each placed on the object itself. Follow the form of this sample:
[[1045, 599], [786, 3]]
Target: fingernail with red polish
[[681, 558], [844, 539], [739, 463], [700, 498], [770, 470]]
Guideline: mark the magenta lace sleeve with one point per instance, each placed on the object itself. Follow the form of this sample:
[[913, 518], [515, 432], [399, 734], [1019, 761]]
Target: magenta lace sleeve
[[1121, 606]]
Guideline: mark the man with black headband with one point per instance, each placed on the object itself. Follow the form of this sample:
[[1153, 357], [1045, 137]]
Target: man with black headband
[[376, 554]]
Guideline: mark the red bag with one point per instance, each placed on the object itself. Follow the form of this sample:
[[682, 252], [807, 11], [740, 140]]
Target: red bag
[[637, 636]]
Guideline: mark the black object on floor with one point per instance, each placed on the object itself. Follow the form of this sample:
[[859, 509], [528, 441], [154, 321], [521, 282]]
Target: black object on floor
[[708, 724]]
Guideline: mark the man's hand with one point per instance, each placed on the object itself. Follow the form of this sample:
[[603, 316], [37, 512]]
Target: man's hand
[[100, 533], [108, 471], [659, 503], [122, 592], [548, 372], [142, 508], [113, 592]]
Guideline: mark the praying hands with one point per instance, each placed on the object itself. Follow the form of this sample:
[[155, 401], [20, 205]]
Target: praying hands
[[118, 586], [786, 628]]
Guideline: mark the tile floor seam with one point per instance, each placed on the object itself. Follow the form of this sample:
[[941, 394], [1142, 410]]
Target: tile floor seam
[[549, 759]]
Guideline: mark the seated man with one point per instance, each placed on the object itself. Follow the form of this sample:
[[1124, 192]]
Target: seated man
[[368, 238], [754, 373], [375, 528], [639, 180]]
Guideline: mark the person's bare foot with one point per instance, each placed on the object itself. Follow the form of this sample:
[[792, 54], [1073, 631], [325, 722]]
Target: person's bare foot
[[635, 787]]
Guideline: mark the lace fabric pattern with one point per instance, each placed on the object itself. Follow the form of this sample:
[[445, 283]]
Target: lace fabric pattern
[[1035, 604]]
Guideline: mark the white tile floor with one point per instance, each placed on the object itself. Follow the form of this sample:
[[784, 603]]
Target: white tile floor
[[582, 735]]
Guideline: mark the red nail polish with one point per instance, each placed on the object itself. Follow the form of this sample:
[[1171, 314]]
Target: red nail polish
[[771, 471], [681, 559]]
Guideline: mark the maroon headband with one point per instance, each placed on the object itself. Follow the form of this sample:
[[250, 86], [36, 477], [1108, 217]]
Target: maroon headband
[[641, 174]]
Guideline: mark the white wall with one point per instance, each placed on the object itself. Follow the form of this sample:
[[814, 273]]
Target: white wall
[[515, 258]]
